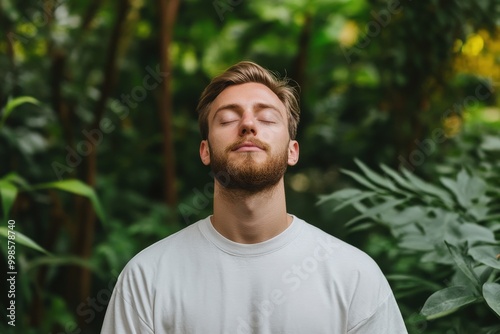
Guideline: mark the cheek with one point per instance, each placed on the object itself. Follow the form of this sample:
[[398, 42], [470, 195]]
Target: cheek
[[274, 135], [218, 144]]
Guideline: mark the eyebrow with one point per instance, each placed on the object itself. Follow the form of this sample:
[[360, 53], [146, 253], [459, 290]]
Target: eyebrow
[[236, 107]]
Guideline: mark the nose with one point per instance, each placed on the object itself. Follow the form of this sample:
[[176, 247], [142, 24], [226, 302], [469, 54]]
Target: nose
[[247, 125]]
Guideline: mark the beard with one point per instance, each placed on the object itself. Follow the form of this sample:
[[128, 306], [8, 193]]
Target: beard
[[245, 173]]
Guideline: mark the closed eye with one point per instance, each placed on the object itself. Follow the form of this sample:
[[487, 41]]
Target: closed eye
[[228, 122]]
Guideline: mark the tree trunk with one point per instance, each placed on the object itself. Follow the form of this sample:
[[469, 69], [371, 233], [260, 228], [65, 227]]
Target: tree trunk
[[84, 237], [168, 12], [300, 62]]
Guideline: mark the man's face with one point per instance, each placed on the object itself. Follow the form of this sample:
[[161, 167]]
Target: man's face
[[248, 138]]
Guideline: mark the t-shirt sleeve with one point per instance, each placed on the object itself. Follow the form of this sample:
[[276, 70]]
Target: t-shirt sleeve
[[129, 309], [386, 319], [121, 317]]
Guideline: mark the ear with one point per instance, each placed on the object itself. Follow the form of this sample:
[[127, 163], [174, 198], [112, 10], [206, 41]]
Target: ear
[[293, 152], [205, 152]]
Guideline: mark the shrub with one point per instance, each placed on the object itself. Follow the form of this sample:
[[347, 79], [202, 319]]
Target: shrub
[[448, 230]]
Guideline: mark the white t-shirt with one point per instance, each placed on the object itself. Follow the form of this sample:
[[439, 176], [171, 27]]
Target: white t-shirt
[[301, 281]]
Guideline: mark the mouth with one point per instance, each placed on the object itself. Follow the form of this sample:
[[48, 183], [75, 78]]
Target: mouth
[[247, 147]]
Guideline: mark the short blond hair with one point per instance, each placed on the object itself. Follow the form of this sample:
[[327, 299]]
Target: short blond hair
[[245, 72]]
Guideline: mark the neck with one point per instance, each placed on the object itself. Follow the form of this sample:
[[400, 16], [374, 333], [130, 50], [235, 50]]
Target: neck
[[250, 217]]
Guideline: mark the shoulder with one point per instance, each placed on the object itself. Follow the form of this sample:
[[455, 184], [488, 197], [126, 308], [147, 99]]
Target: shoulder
[[167, 251], [159, 248], [357, 277], [337, 248], [348, 264]]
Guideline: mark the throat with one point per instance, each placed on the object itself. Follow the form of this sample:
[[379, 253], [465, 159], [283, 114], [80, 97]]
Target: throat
[[250, 231]]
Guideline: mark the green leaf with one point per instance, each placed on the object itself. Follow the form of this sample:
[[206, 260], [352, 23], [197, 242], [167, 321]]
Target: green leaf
[[472, 233], [12, 104], [8, 193], [428, 188], [491, 293], [488, 255], [15, 179], [360, 227], [446, 301], [339, 195], [463, 263], [398, 178], [374, 177], [493, 217], [355, 199], [361, 180], [490, 143], [59, 261], [466, 188], [416, 242], [22, 240], [476, 233], [373, 211], [417, 281], [76, 187]]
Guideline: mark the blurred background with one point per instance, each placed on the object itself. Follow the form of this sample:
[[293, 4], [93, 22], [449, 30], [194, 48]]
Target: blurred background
[[99, 138]]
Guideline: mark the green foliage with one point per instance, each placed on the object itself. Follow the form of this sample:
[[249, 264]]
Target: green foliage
[[366, 93], [452, 226], [12, 104], [76, 187]]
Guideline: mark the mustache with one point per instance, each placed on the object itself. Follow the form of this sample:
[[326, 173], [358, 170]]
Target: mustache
[[260, 144]]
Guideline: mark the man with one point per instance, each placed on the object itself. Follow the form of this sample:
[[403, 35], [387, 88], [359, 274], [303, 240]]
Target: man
[[251, 267]]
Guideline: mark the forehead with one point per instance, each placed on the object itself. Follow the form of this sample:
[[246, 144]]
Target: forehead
[[246, 95]]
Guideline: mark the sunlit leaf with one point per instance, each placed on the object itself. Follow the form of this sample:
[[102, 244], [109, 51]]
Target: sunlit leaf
[[22, 239], [8, 193], [14, 103], [79, 188], [17, 180]]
